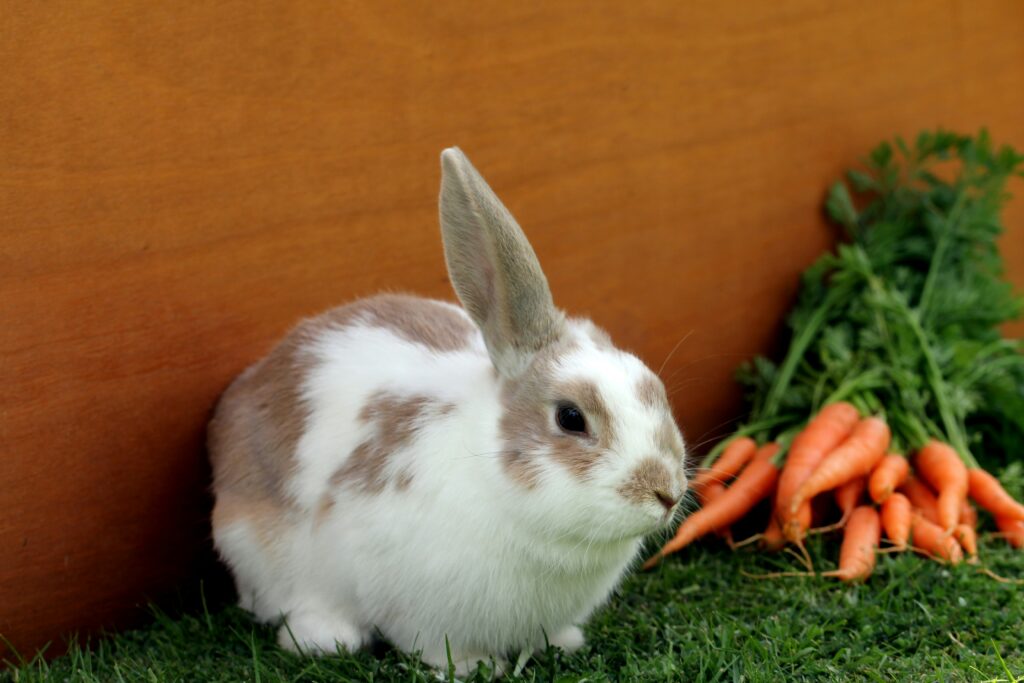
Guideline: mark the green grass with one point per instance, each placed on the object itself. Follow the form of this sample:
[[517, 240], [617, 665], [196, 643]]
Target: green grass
[[696, 619]]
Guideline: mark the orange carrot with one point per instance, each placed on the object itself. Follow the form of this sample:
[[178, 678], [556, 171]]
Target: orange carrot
[[933, 540], [729, 463], [772, 539], [755, 483], [860, 540], [887, 476], [827, 430], [713, 490], [921, 497], [849, 494], [967, 537], [853, 458], [796, 527], [710, 491], [969, 515], [896, 515], [990, 494], [940, 466], [766, 452], [1013, 529]]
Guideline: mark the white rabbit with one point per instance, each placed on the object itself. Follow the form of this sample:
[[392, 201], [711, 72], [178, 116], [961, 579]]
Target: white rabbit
[[404, 468]]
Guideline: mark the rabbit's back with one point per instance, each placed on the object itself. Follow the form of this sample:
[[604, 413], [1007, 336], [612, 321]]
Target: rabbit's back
[[331, 414], [385, 354]]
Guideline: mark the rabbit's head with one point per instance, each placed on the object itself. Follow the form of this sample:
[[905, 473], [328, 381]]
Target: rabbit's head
[[587, 437]]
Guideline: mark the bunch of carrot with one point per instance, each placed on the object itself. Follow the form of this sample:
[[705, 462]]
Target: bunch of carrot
[[842, 455], [894, 370]]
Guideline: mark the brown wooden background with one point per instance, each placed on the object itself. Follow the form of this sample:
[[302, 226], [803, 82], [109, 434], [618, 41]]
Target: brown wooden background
[[180, 183]]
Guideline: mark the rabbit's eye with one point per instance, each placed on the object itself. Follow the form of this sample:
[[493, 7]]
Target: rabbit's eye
[[570, 418]]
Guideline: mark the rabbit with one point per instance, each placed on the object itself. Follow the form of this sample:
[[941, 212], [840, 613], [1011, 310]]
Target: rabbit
[[474, 480]]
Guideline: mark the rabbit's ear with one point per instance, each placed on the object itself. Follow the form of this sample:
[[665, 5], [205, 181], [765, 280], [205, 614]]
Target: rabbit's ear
[[493, 268]]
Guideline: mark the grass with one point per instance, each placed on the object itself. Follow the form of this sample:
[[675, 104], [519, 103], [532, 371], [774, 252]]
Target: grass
[[697, 618]]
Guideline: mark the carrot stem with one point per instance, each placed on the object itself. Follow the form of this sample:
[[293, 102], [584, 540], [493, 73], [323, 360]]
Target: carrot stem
[[940, 251], [938, 386], [796, 352], [736, 545]]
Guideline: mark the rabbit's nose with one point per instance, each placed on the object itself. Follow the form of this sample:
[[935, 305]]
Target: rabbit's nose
[[666, 499]]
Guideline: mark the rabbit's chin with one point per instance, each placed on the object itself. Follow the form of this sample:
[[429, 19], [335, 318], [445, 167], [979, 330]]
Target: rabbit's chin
[[616, 525], [652, 525]]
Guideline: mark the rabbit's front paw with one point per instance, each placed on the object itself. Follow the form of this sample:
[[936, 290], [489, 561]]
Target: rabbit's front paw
[[569, 639], [316, 633]]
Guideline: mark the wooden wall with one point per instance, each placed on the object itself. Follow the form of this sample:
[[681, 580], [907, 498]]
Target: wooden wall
[[179, 182]]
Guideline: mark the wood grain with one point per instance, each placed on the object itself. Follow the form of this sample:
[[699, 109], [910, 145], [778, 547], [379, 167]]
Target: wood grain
[[180, 183]]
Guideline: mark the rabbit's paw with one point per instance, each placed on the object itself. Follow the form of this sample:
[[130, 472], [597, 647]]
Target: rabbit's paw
[[569, 639], [317, 633]]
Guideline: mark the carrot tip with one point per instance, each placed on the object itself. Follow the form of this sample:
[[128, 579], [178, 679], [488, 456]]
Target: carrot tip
[[652, 562], [736, 545], [1001, 579], [893, 549], [845, 575], [803, 556], [831, 527]]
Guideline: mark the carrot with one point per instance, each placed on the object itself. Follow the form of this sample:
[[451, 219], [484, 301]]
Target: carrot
[[713, 490], [827, 430], [967, 537], [896, 516], [755, 483], [1012, 529], [987, 492], [969, 515], [887, 476], [710, 491], [849, 494], [796, 527], [766, 452], [932, 539], [921, 497], [941, 466], [857, 554], [733, 458], [853, 458], [772, 539]]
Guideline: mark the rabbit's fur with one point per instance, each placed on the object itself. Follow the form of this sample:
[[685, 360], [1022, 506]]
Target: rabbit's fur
[[402, 467]]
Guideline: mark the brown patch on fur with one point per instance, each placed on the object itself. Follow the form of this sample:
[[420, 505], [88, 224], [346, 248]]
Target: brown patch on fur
[[403, 480], [526, 425], [520, 466], [266, 520], [323, 509], [668, 439], [256, 428], [580, 453], [648, 477], [422, 321], [651, 392], [396, 420], [587, 396], [523, 425], [229, 509], [577, 453]]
